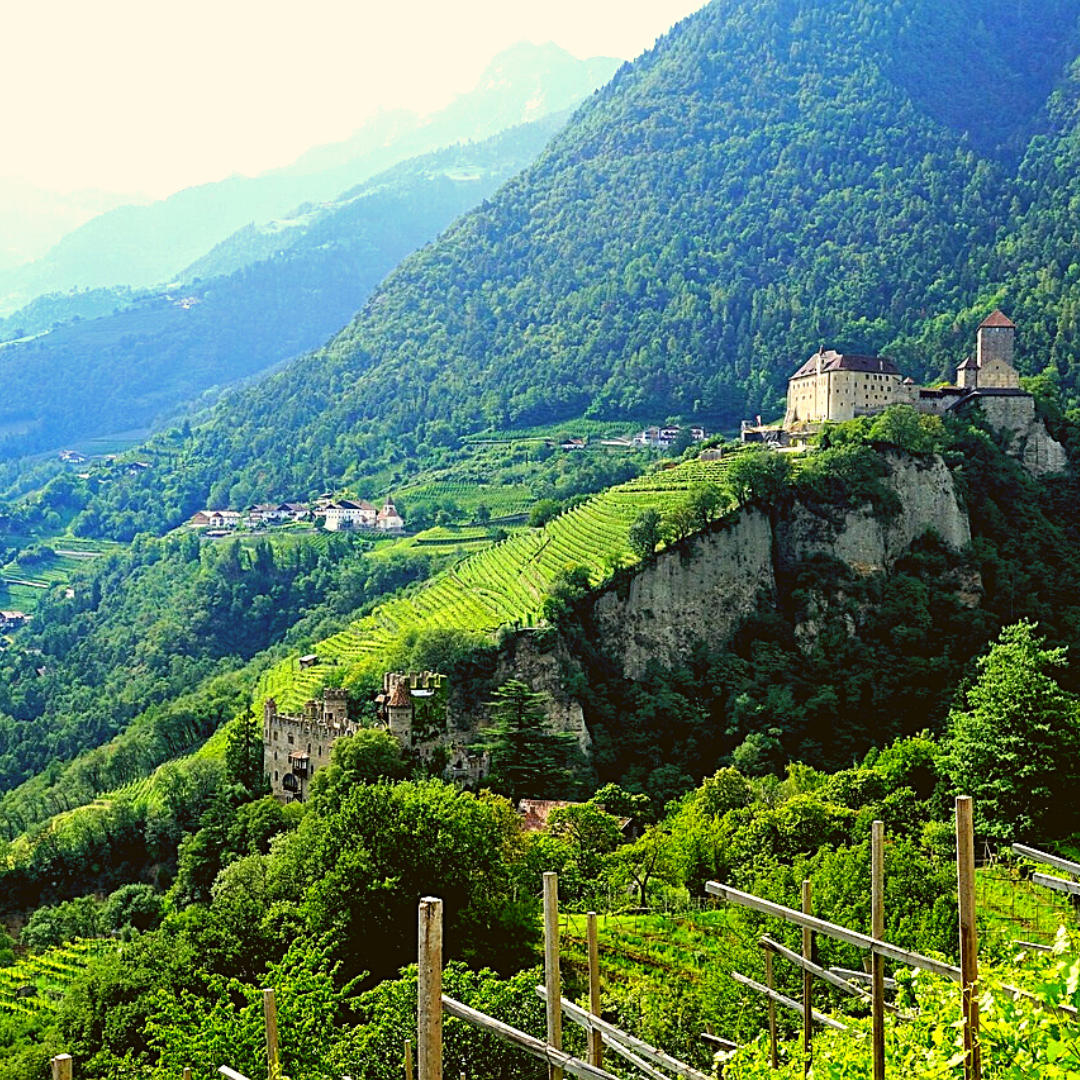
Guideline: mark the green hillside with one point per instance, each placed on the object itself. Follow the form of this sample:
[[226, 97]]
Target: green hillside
[[504, 585], [770, 176]]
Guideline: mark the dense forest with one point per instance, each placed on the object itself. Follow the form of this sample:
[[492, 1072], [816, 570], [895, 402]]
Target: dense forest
[[770, 176]]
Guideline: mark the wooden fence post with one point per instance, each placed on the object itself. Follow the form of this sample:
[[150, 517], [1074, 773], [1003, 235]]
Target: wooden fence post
[[877, 930], [61, 1067], [187, 1074], [969, 942], [774, 1056], [273, 1068], [807, 982], [596, 1040], [408, 1059], [429, 990], [552, 980]]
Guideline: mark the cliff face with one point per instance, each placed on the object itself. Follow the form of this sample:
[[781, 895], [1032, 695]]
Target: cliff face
[[703, 589]]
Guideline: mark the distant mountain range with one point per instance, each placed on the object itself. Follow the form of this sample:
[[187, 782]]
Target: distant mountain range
[[262, 296], [33, 218], [146, 245]]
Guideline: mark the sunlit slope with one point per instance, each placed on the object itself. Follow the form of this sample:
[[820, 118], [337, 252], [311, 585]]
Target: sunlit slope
[[503, 585]]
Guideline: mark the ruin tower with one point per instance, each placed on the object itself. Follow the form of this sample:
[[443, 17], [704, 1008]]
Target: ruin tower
[[994, 355], [399, 711], [335, 706]]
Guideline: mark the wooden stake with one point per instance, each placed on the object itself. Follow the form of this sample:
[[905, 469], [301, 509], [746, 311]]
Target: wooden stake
[[187, 1074], [429, 990], [61, 1067], [877, 930], [807, 982], [408, 1059], [969, 942], [273, 1067], [774, 1056], [596, 1040], [552, 980]]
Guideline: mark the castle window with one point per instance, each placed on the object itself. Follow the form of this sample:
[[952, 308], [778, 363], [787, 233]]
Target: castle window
[[275, 776], [290, 739], [275, 736]]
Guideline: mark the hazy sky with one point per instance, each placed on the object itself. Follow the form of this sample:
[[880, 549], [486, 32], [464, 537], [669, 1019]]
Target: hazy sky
[[154, 96]]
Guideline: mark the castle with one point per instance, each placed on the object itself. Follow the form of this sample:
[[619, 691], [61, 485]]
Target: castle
[[295, 746], [412, 707], [833, 386]]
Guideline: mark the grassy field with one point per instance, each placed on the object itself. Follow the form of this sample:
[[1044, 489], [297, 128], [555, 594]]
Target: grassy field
[[503, 585]]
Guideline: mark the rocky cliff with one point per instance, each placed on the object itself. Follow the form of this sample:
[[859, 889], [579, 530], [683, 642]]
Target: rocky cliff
[[704, 587]]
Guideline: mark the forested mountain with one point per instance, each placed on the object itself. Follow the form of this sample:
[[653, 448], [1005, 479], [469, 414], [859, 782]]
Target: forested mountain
[[148, 245], [281, 291], [773, 174]]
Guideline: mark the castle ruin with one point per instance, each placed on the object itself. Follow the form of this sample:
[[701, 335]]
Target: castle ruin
[[295, 746]]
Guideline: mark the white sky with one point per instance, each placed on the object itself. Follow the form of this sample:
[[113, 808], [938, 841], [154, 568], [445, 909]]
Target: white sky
[[155, 95]]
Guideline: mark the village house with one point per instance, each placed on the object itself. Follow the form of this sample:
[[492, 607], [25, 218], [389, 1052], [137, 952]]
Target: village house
[[13, 620]]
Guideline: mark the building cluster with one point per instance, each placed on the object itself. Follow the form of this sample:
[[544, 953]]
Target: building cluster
[[412, 707], [336, 514], [663, 438], [832, 387]]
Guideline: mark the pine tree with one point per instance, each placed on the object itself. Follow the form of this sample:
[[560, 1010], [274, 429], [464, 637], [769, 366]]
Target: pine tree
[[528, 758]]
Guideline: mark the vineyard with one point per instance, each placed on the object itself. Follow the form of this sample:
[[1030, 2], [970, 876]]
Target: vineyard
[[39, 981], [53, 562], [503, 500], [503, 585]]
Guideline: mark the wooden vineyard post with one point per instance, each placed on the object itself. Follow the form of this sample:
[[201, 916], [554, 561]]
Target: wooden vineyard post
[[969, 941], [877, 930], [807, 982], [596, 1040], [187, 1074], [774, 1057], [552, 980], [429, 990], [408, 1060], [273, 1068], [61, 1067]]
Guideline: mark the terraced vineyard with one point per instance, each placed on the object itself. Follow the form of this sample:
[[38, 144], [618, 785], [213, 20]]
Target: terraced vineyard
[[25, 581], [504, 585], [38, 982]]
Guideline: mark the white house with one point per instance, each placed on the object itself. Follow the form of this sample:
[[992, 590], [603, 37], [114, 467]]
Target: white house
[[347, 514], [388, 519]]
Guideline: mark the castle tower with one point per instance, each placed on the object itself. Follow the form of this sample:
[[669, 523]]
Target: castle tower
[[400, 710], [994, 355], [335, 706], [311, 711], [967, 374]]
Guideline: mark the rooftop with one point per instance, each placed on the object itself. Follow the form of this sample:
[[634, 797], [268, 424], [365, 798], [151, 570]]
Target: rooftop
[[998, 318], [831, 360]]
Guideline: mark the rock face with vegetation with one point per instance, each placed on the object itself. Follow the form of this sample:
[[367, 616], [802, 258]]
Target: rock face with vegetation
[[704, 588]]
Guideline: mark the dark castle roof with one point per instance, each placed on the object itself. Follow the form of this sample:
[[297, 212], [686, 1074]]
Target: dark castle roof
[[998, 318], [831, 360]]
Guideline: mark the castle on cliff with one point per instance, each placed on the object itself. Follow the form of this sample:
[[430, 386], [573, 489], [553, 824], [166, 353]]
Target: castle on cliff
[[295, 746], [833, 386]]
